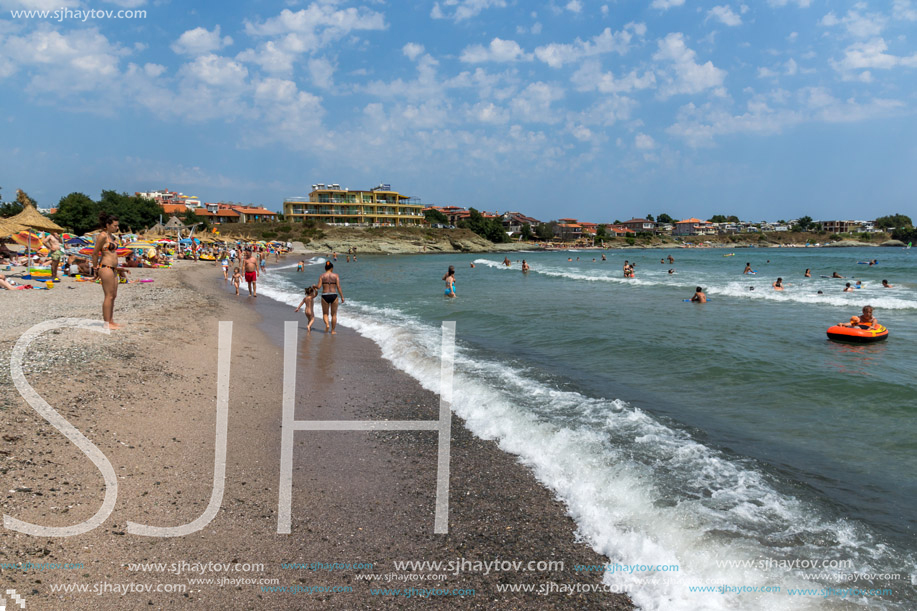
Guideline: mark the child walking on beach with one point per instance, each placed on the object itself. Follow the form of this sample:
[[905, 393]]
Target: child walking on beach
[[308, 302], [236, 279]]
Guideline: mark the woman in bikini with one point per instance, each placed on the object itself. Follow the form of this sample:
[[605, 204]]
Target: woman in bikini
[[330, 284], [105, 260]]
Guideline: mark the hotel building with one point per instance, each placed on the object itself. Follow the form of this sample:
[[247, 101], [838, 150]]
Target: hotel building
[[333, 205]]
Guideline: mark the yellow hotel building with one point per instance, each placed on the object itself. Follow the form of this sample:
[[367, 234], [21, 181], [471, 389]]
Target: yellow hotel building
[[333, 205]]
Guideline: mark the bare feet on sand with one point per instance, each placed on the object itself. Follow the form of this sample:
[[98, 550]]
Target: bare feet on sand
[[113, 326]]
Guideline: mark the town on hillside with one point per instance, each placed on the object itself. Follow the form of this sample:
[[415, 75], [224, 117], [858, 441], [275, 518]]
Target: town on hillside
[[381, 206]]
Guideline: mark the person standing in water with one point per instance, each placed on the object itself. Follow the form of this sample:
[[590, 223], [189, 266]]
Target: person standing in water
[[807, 274], [330, 284], [525, 267], [105, 260], [778, 285], [449, 278]]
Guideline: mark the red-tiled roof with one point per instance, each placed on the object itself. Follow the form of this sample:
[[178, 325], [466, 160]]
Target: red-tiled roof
[[174, 208]]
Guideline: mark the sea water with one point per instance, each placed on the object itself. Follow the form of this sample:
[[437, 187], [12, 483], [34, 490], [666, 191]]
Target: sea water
[[731, 443]]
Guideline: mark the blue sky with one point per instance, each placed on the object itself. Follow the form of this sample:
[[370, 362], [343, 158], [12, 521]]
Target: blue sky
[[596, 110]]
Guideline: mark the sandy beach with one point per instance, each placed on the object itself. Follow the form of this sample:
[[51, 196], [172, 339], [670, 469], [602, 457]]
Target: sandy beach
[[146, 397]]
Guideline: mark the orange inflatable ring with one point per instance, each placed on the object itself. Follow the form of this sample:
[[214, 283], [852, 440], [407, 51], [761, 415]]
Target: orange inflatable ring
[[858, 333]]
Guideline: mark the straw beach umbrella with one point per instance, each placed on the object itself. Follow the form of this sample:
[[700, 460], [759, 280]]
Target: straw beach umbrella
[[8, 228], [31, 218]]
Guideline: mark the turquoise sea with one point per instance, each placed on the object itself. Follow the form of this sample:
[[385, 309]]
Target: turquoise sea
[[721, 438]]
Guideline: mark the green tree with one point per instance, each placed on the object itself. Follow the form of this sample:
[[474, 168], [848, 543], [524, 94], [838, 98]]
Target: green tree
[[804, 224], [77, 212], [488, 228], [732, 219], [527, 232], [893, 221], [545, 231], [649, 217], [189, 217], [435, 216], [905, 234], [10, 209], [134, 213], [664, 218], [601, 232]]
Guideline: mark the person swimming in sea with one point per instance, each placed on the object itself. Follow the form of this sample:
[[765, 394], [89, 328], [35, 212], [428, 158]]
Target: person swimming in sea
[[836, 275], [506, 261], [699, 296], [449, 278], [886, 285], [748, 269], [807, 274], [848, 288], [778, 285]]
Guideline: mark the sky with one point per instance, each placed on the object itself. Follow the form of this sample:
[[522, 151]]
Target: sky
[[597, 110]]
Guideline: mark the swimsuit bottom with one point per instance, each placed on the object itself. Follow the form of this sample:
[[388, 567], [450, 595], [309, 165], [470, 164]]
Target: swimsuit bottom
[[330, 297]]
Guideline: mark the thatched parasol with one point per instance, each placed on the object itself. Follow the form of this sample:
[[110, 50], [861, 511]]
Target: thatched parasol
[[8, 228], [30, 217]]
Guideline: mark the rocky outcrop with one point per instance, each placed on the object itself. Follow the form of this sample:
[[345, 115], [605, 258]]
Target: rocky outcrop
[[404, 240]]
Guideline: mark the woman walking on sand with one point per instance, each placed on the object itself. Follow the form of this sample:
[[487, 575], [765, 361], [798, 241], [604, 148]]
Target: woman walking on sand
[[330, 285], [105, 260]]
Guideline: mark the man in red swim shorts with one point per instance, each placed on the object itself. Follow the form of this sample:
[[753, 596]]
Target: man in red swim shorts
[[251, 273]]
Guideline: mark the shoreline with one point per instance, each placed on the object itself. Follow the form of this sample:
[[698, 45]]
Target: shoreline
[[145, 397]]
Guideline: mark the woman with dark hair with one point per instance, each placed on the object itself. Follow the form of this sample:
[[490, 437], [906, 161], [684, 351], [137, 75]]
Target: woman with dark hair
[[450, 281], [105, 260]]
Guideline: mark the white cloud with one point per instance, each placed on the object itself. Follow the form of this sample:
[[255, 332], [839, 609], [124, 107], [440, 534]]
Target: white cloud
[[768, 114], [200, 41], [533, 104], [412, 50], [800, 3], [217, 71], [289, 116], [644, 142], [322, 72], [317, 26], [857, 24], [790, 67], [558, 54], [273, 57], [464, 9], [902, 10], [574, 6], [665, 5], [871, 55], [81, 60], [685, 75], [498, 50], [724, 15], [488, 112], [589, 77]]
